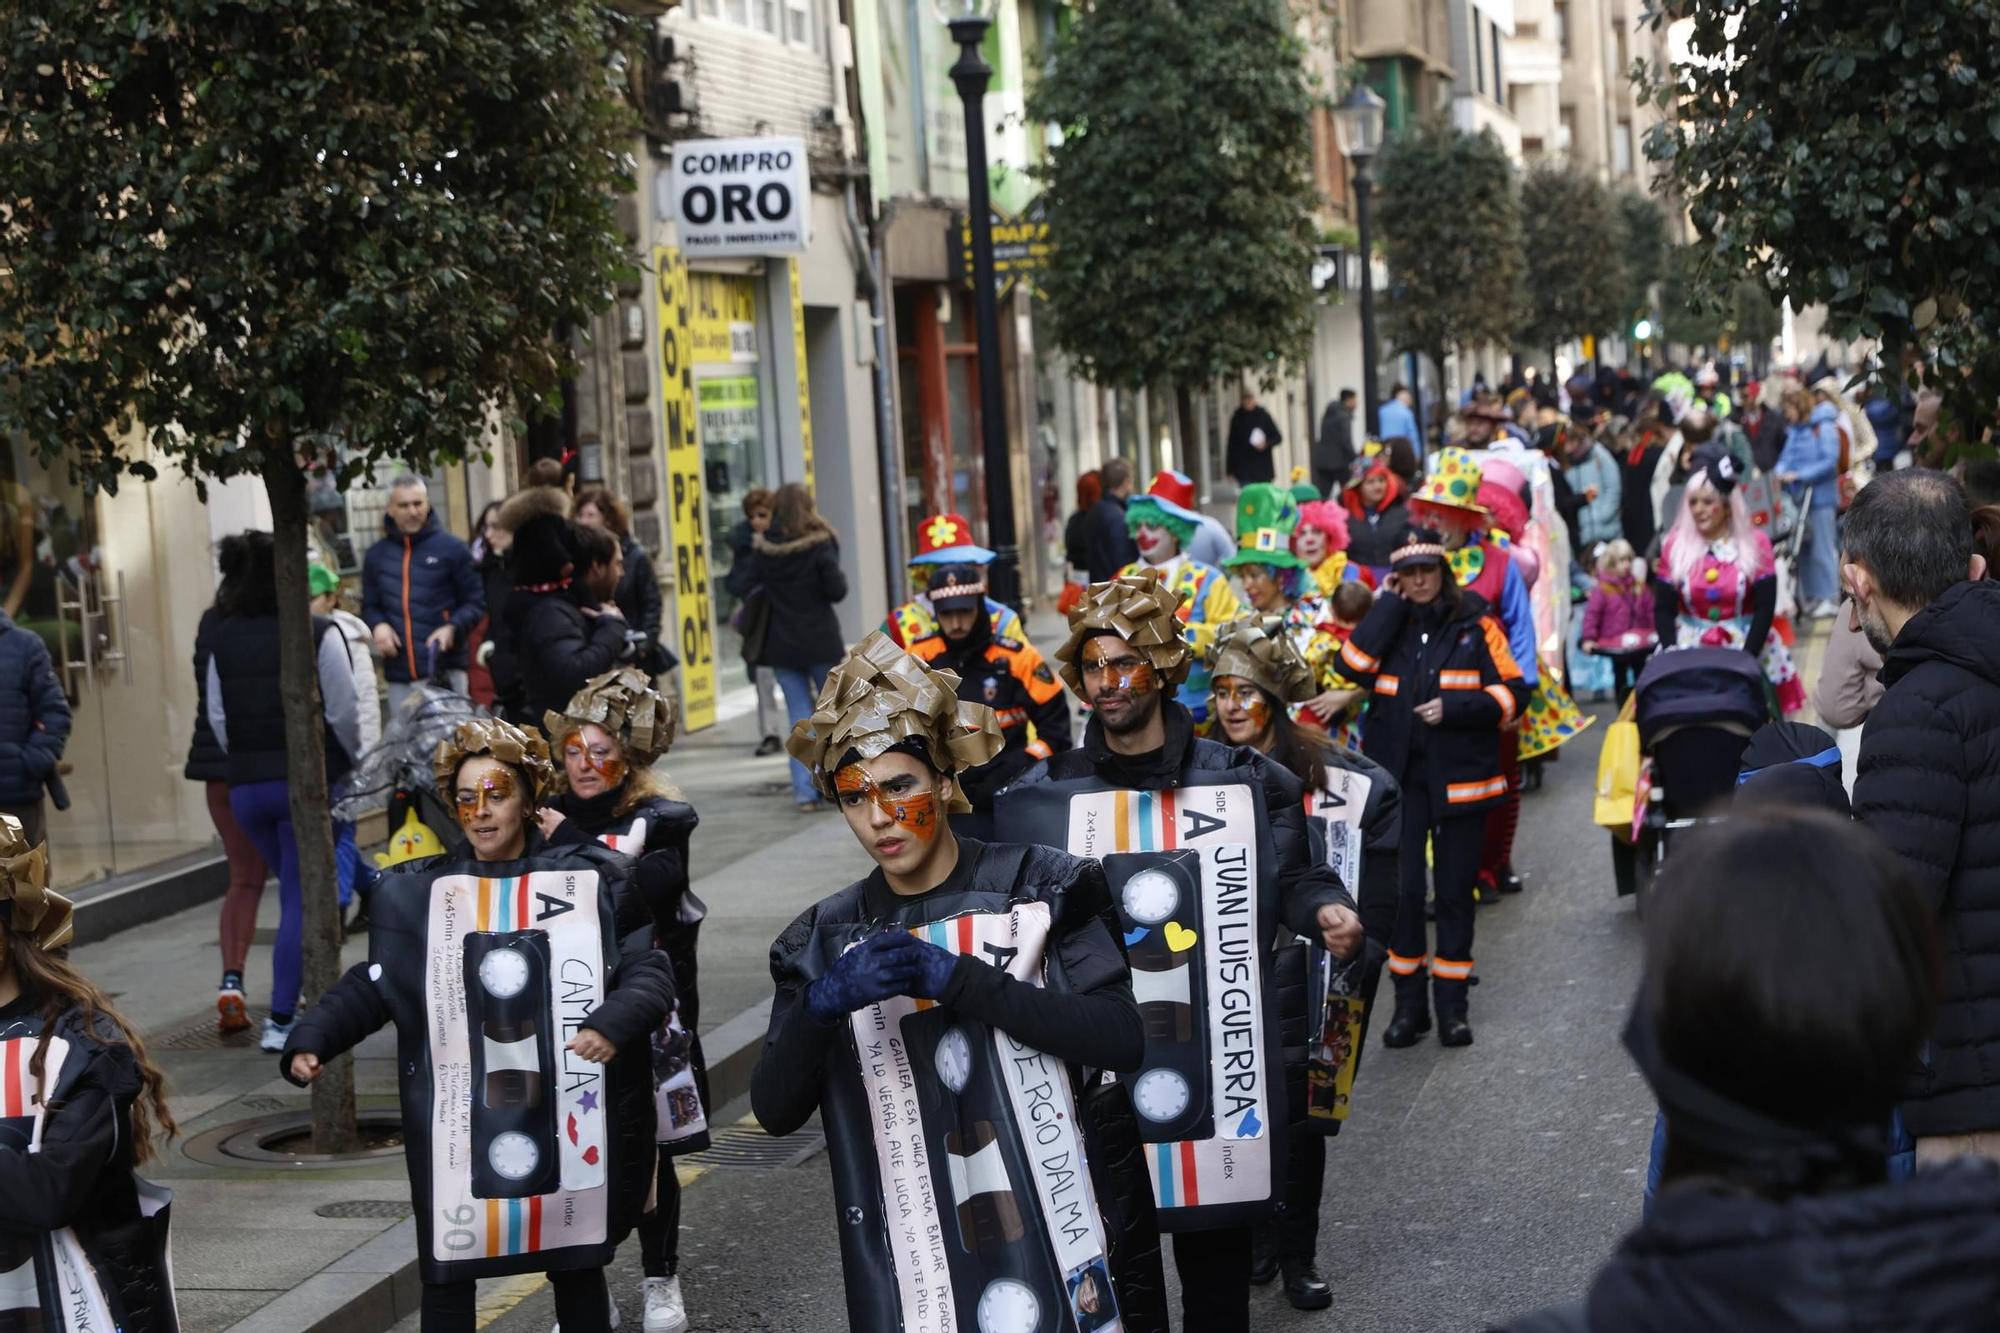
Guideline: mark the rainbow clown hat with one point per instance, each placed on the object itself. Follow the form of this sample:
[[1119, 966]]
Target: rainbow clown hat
[[1173, 492], [1453, 484]]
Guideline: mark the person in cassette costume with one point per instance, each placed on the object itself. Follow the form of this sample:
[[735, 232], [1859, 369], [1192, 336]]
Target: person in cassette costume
[[938, 1014], [524, 990], [607, 739], [1353, 806], [83, 1240], [1142, 771]]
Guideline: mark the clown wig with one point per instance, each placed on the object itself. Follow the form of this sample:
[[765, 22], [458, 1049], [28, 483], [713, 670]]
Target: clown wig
[[1329, 518], [1151, 515]]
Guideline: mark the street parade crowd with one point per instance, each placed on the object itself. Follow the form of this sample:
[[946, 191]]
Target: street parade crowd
[[1100, 1002]]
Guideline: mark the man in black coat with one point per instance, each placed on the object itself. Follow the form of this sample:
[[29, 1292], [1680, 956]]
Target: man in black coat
[[1333, 451], [1253, 434], [561, 635], [1928, 779], [1108, 543]]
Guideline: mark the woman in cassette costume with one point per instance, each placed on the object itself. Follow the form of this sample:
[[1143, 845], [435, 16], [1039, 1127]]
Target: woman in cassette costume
[[504, 874], [921, 944], [607, 738], [1257, 673], [81, 1236]]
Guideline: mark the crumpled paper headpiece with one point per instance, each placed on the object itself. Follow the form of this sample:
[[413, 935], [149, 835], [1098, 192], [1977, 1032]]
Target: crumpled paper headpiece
[[625, 704], [1259, 649], [880, 696], [1139, 609], [24, 885], [523, 747]]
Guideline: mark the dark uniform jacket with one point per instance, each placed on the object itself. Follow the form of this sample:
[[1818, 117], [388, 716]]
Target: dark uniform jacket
[[1009, 676]]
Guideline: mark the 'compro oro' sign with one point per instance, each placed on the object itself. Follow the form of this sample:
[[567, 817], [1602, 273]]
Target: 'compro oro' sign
[[740, 196]]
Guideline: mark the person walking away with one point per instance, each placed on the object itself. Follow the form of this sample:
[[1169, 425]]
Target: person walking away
[[562, 635], [1377, 515], [1333, 453], [1253, 434], [420, 593], [1618, 619], [637, 594], [1639, 449], [1593, 476], [208, 765], [1108, 543], [81, 1239], [1004, 673], [1809, 468], [1776, 1214], [740, 583], [34, 728], [1076, 541], [1885, 414], [489, 557], [1397, 420], [1928, 778], [797, 563], [1162, 522], [324, 585], [246, 713]]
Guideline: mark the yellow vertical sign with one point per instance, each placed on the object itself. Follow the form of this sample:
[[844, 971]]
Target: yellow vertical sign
[[694, 607], [805, 379]]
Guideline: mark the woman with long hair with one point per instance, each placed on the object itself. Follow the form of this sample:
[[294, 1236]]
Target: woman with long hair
[[607, 740], [1377, 515], [1716, 583], [797, 563], [87, 1108], [490, 544], [638, 590]]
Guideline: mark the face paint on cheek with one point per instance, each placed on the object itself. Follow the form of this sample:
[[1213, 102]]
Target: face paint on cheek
[[1258, 712], [492, 789], [1135, 680], [914, 811]]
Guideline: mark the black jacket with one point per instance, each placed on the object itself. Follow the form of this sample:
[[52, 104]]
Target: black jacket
[[1918, 1256], [1107, 542], [244, 653], [555, 649], [1407, 655], [1928, 782], [206, 761], [416, 584], [1333, 451], [803, 580], [638, 592], [1009, 676], [34, 715], [1244, 460], [1767, 432], [1372, 540], [742, 575], [659, 854]]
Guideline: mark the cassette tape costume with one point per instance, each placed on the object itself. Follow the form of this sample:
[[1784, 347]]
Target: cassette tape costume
[[523, 1034], [1352, 809], [607, 740], [937, 1014], [83, 1239], [1206, 852]]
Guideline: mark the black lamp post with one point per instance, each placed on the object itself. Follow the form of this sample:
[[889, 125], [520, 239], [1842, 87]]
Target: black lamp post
[[969, 21], [1357, 123]]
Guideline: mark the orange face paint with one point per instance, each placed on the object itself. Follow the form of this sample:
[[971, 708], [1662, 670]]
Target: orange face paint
[[916, 811], [1247, 699], [601, 760], [493, 788], [1124, 672]]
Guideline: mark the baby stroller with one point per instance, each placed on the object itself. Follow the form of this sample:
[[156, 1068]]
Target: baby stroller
[[397, 772], [1696, 709]]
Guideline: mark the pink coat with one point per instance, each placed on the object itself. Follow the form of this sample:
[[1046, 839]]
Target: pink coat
[[1618, 608]]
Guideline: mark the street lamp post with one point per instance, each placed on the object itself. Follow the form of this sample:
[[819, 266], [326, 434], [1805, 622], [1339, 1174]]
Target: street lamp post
[[969, 21], [1357, 123]]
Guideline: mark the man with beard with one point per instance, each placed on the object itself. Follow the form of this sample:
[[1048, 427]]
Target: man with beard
[[1928, 779], [1001, 671]]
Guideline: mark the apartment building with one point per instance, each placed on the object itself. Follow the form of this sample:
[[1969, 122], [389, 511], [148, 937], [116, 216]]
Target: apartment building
[[1569, 63]]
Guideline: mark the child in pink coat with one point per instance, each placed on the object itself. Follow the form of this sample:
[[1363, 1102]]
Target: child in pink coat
[[1618, 618]]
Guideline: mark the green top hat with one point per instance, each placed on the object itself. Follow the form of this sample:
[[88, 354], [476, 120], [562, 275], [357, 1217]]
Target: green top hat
[[1266, 516]]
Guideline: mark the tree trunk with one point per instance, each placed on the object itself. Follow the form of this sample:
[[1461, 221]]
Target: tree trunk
[[305, 773]]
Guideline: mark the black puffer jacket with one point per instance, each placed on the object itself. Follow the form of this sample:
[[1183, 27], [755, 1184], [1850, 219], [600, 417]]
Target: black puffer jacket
[[34, 715], [206, 761], [803, 580], [1928, 782], [556, 648], [1920, 1256]]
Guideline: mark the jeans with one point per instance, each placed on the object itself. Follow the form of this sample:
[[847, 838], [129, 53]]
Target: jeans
[[264, 809], [1819, 563], [801, 687]]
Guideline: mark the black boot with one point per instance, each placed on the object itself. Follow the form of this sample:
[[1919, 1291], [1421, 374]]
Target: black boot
[[1413, 1012], [1263, 1259], [1304, 1287], [1453, 1027], [1507, 881]]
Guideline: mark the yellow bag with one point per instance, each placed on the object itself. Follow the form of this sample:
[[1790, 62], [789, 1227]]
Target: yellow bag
[[1618, 772]]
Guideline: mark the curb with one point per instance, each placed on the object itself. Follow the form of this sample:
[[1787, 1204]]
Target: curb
[[367, 1290]]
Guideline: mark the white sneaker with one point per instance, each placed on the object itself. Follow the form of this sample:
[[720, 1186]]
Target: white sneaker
[[557, 1328], [1823, 611], [276, 1034], [664, 1311]]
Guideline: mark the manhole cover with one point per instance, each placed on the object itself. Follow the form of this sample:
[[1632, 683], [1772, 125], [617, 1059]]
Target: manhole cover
[[392, 1210], [200, 1035], [748, 1148]]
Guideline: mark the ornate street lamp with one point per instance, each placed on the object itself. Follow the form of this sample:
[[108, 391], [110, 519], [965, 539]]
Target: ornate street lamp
[[1357, 124], [969, 21]]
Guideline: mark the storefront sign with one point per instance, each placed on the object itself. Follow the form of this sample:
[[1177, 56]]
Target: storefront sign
[[1020, 246], [694, 606], [805, 379], [741, 196], [725, 317]]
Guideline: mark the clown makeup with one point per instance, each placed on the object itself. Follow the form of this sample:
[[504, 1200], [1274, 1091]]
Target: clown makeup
[[492, 810], [895, 806], [1156, 544], [1244, 711], [1309, 543], [1263, 586], [593, 760]]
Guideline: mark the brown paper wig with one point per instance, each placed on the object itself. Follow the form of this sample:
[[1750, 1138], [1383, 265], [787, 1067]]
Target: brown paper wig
[[32, 909], [624, 703], [1139, 609], [1259, 650], [521, 748]]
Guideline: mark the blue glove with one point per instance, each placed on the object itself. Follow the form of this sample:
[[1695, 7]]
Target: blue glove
[[934, 969], [877, 968]]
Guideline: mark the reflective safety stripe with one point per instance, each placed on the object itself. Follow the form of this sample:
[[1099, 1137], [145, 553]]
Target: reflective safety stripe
[[1444, 969], [1458, 680], [1357, 659], [1011, 717], [1404, 967], [1464, 793], [1505, 698], [1388, 684], [1040, 749]]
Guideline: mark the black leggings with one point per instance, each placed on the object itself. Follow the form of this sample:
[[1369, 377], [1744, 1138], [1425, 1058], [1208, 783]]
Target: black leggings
[[1215, 1279], [583, 1304], [660, 1230]]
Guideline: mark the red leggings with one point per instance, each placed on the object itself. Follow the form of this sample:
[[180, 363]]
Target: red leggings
[[246, 880], [1498, 849]]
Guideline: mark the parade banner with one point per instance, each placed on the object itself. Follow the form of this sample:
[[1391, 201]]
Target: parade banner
[[1193, 876], [990, 1219]]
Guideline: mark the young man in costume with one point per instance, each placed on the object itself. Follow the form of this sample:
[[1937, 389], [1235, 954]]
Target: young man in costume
[[1207, 852], [1163, 522], [939, 1014], [944, 539]]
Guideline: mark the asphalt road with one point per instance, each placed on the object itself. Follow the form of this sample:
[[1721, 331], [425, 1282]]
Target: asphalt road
[[1469, 1186]]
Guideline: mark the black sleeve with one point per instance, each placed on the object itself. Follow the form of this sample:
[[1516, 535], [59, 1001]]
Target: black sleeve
[[661, 881], [785, 1086], [647, 612], [45, 1190], [1381, 859], [1096, 1023], [1666, 611], [1763, 606], [1273, 436], [339, 1020], [832, 578], [575, 658], [639, 1001]]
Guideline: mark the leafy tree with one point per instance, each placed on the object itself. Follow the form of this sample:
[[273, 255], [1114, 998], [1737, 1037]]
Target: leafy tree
[[1451, 232], [1180, 200], [251, 237], [1645, 257], [1574, 234], [1849, 156]]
